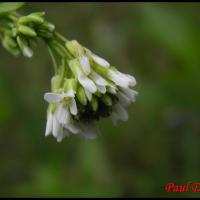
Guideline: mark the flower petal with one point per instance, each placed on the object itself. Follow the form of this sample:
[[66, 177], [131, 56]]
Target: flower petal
[[85, 64], [73, 107], [130, 93], [52, 97], [123, 99], [62, 114], [27, 52], [100, 61], [72, 128], [118, 79], [114, 117], [87, 83], [57, 129], [90, 131], [69, 93], [121, 112], [101, 89], [88, 95], [98, 79], [49, 124]]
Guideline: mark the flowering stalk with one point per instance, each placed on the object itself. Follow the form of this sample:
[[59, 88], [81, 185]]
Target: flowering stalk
[[84, 87]]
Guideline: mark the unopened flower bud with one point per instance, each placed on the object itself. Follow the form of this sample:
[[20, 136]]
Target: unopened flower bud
[[107, 100], [81, 95], [55, 83], [94, 103], [26, 30], [26, 50], [75, 48]]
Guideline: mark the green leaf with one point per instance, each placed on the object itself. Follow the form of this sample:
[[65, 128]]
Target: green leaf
[[9, 7]]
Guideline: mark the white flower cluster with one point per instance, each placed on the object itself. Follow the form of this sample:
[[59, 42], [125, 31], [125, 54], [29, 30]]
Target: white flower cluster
[[89, 89]]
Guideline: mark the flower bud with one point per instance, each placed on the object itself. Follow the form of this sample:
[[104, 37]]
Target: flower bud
[[70, 85], [107, 100], [31, 18], [81, 95], [10, 41], [26, 30], [26, 50], [75, 48], [55, 82], [94, 103]]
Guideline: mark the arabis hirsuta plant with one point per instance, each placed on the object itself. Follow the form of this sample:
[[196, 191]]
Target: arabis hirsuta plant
[[84, 87]]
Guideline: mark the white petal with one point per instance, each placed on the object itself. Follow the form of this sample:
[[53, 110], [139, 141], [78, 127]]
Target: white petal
[[73, 107], [101, 89], [112, 90], [88, 95], [123, 99], [85, 64], [65, 133], [57, 129], [62, 114], [121, 112], [130, 93], [27, 52], [132, 80], [100, 61], [90, 131], [87, 83], [114, 118], [60, 135], [49, 124], [52, 97], [70, 93], [72, 128], [98, 79], [118, 79]]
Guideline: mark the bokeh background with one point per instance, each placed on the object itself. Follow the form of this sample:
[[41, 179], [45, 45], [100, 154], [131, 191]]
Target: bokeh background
[[159, 43]]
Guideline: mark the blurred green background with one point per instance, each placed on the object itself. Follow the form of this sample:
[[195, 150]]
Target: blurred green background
[[160, 45]]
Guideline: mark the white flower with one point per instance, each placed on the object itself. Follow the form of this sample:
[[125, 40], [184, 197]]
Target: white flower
[[60, 120], [54, 127], [87, 83], [66, 99]]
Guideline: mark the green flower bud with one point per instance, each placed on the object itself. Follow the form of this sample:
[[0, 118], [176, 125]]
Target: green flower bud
[[48, 26], [75, 67], [13, 51], [75, 48], [39, 14], [44, 33], [107, 100], [59, 48], [14, 32], [70, 84], [55, 83], [81, 95], [10, 41], [101, 70], [94, 103], [31, 18], [27, 31], [26, 50]]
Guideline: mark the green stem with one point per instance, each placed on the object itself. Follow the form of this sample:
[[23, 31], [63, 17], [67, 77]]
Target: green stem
[[53, 59], [62, 38]]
